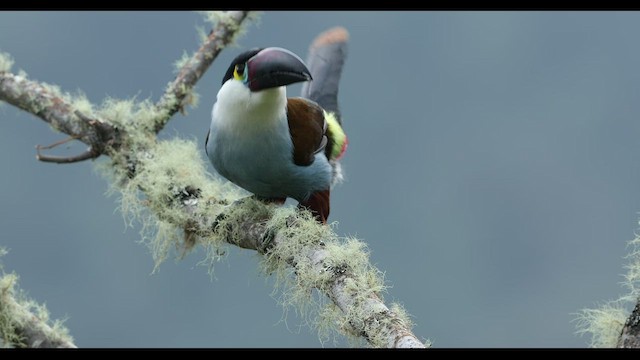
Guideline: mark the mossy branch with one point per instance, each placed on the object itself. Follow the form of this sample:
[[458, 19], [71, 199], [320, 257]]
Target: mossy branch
[[164, 184], [180, 91], [612, 324], [49, 104], [630, 336], [337, 267], [24, 323]]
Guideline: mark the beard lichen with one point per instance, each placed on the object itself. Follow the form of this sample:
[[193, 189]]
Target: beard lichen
[[171, 188], [604, 324], [310, 260], [6, 62], [16, 309], [8, 322], [214, 18]]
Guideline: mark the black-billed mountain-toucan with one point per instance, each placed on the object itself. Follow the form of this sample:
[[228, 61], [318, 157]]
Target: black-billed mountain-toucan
[[278, 147]]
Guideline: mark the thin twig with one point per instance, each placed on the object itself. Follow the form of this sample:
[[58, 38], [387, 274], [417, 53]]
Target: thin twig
[[37, 99], [57, 143], [90, 153]]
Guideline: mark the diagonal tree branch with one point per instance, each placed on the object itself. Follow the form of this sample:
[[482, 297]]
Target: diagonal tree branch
[[24, 323], [32, 330], [375, 322], [49, 105], [610, 325], [178, 93]]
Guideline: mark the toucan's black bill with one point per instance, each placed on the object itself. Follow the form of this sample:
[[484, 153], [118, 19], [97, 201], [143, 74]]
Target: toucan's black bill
[[275, 67]]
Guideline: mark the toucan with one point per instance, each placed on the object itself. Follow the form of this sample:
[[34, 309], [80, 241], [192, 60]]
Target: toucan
[[277, 147]]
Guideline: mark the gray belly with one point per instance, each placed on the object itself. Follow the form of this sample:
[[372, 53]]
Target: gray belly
[[262, 164]]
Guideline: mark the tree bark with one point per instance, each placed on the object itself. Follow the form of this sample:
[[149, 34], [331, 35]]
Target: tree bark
[[630, 336], [33, 331]]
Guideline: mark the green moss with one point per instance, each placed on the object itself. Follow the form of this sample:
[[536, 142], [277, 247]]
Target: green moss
[[405, 318], [8, 324], [136, 117], [80, 103], [302, 287], [6, 62], [213, 18], [10, 320], [201, 33], [178, 64], [170, 189], [632, 277], [604, 324]]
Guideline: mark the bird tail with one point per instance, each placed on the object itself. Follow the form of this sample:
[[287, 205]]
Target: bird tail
[[325, 61]]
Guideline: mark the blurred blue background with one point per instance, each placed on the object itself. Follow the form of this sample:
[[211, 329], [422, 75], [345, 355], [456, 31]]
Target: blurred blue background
[[493, 170]]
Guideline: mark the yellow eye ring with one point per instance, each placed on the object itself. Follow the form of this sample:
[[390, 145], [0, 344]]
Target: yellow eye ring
[[239, 72]]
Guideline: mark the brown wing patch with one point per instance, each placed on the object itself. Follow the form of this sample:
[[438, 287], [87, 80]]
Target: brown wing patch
[[307, 127]]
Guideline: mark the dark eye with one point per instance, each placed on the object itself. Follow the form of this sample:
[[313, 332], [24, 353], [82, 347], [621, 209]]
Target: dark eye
[[240, 69]]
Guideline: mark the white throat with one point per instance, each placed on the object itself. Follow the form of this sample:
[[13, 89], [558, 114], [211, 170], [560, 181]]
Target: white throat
[[240, 108]]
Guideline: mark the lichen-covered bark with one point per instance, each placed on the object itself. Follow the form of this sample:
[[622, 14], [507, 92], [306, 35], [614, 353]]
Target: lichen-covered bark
[[178, 92], [376, 322], [32, 330], [47, 104], [630, 336], [24, 323]]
